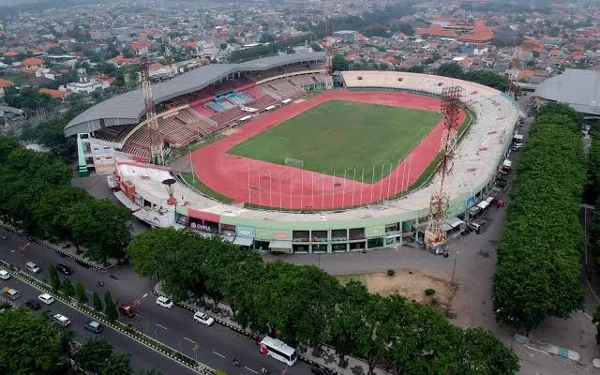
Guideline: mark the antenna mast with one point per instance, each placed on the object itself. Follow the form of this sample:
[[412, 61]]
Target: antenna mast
[[329, 51], [514, 72], [168, 54], [452, 99], [156, 142]]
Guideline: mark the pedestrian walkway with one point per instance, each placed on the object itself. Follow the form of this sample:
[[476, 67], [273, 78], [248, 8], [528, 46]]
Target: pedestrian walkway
[[67, 249], [327, 360], [548, 348]]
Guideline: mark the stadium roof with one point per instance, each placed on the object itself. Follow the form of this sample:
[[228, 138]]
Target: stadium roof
[[129, 107], [578, 88]]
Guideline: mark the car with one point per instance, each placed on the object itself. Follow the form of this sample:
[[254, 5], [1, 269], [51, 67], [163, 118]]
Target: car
[[4, 275], [476, 225], [164, 302], [125, 309], [33, 305], [46, 298], [32, 267], [94, 326], [203, 318], [65, 270], [62, 320]]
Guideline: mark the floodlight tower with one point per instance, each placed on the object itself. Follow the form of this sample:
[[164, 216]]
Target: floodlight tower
[[452, 99], [514, 71], [168, 54], [329, 51], [156, 142]]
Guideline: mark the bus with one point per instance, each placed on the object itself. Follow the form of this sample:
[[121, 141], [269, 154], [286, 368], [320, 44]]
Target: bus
[[278, 350]]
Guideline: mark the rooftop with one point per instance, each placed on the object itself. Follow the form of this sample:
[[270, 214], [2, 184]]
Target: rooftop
[[576, 87]]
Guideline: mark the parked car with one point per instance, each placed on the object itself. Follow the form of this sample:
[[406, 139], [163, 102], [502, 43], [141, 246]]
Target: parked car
[[94, 326], [203, 318], [125, 309], [476, 225], [4, 275], [11, 293], [62, 320], [32, 267], [33, 305], [164, 302], [65, 270], [46, 298]]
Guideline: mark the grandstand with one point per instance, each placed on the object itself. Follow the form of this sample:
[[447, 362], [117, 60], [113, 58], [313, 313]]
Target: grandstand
[[478, 158], [191, 106]]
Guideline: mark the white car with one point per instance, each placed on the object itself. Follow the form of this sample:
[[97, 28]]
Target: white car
[[4, 275], [203, 318], [164, 302], [62, 320], [46, 298]]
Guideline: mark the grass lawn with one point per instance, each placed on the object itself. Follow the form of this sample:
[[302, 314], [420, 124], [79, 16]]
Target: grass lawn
[[339, 135], [201, 187]]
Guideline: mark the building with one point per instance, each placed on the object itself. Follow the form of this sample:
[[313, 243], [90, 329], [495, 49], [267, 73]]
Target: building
[[346, 35], [480, 34], [4, 83], [506, 35], [31, 64], [578, 88], [84, 84]]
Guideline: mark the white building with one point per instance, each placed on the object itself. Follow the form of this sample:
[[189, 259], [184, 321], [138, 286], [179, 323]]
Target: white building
[[84, 84]]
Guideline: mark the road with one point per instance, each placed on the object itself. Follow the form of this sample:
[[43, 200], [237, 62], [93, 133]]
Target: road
[[175, 327], [142, 356]]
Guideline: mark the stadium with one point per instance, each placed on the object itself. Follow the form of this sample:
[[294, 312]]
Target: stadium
[[290, 164]]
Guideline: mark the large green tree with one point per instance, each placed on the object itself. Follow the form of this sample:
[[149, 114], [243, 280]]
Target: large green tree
[[29, 344], [452, 70], [100, 226], [92, 354]]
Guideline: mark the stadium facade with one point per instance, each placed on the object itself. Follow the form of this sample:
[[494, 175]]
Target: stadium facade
[[272, 83]]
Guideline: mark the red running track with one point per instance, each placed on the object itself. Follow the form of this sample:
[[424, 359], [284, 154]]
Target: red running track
[[278, 186]]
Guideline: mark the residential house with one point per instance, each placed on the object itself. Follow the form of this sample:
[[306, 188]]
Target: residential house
[[4, 83], [31, 64], [56, 94]]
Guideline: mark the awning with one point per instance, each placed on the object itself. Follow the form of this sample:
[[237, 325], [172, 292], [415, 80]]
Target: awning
[[518, 137], [243, 241], [126, 201], [280, 245], [483, 205], [454, 222]]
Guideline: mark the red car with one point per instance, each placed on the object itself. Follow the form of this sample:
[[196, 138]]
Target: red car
[[125, 309]]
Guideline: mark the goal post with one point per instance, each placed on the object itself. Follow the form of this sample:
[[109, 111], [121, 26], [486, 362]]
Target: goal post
[[384, 102], [296, 163]]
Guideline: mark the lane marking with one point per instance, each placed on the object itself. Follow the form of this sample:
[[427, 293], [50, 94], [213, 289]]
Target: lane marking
[[163, 327], [249, 369], [89, 291], [219, 354], [190, 340]]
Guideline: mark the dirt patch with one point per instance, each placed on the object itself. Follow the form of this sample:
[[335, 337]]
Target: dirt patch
[[410, 284]]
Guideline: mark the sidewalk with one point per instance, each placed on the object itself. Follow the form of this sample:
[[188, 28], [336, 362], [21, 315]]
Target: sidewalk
[[328, 360], [67, 249]]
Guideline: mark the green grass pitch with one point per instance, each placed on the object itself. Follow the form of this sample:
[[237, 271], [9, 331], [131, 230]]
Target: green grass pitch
[[338, 135]]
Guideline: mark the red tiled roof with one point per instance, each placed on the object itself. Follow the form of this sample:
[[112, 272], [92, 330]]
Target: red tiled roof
[[139, 45], [10, 53], [54, 93], [32, 61], [125, 60], [155, 65], [6, 83], [480, 34]]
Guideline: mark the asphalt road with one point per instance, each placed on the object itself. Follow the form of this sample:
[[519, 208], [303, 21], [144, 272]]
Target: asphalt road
[[217, 345], [142, 356]]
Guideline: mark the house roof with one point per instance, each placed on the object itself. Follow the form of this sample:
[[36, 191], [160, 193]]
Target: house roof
[[437, 30], [6, 83], [53, 93], [480, 34], [32, 61], [128, 108], [10, 53], [139, 45]]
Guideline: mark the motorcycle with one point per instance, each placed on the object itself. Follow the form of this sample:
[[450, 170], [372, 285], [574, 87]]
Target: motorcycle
[[235, 363]]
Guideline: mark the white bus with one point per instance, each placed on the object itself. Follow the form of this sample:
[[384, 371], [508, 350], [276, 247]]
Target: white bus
[[278, 350]]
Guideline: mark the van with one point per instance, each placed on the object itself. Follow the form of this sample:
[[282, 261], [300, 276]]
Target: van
[[11, 293], [32, 267]]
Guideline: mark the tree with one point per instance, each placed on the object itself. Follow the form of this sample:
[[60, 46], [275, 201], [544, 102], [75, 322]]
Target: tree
[[68, 288], [92, 355], [340, 63], [347, 317], [452, 70], [116, 364], [373, 335], [29, 345], [596, 321], [54, 279], [150, 372], [110, 307], [80, 293], [100, 226], [97, 302]]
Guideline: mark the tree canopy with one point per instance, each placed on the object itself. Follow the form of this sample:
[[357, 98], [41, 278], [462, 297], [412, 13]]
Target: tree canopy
[[36, 195], [305, 306], [538, 269]]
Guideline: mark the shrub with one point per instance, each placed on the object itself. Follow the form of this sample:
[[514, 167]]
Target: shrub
[[429, 292], [391, 272]]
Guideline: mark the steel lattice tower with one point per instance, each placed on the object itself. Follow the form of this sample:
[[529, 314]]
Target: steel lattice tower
[[514, 71], [452, 100], [156, 143], [329, 44]]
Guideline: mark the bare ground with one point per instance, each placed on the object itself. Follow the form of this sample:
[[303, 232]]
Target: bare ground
[[410, 284]]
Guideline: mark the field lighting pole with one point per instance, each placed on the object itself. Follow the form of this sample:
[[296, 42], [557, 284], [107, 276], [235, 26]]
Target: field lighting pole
[[191, 163]]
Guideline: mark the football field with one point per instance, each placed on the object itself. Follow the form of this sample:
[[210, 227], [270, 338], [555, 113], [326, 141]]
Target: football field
[[342, 135]]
